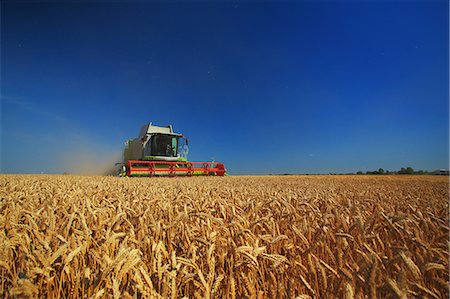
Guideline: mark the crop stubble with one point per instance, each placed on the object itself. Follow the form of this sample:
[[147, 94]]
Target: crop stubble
[[231, 237]]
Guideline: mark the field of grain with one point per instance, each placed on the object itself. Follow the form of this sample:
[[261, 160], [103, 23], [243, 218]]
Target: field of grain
[[230, 237]]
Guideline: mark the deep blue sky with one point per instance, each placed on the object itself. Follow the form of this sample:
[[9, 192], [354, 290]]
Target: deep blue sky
[[304, 87]]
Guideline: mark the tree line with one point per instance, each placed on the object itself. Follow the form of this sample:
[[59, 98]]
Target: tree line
[[407, 170]]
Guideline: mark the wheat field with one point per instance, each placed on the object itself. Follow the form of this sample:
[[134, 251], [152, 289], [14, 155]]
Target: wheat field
[[230, 237]]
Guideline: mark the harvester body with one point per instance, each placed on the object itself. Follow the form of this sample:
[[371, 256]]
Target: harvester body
[[159, 151]]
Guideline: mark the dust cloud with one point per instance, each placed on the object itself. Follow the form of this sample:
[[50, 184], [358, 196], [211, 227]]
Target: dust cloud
[[89, 158]]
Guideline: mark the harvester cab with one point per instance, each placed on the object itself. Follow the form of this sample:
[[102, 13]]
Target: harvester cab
[[156, 143], [159, 151]]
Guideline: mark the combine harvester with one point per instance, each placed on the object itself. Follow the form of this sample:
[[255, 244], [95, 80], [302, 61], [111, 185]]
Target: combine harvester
[[159, 151]]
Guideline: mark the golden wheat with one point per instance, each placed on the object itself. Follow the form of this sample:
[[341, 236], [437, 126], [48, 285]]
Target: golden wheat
[[230, 237]]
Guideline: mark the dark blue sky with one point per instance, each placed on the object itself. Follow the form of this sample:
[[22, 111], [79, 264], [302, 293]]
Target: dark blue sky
[[304, 87]]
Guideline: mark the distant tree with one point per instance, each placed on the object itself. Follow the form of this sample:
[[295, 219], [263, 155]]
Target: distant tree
[[409, 170], [359, 172], [380, 171], [372, 172], [402, 171]]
